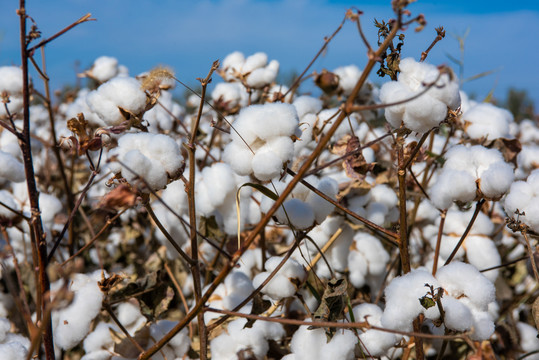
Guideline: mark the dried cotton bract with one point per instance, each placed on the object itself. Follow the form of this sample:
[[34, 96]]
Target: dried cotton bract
[[429, 109]]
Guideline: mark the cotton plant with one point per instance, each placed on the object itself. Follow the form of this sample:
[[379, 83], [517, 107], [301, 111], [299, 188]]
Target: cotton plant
[[426, 111], [469, 172]]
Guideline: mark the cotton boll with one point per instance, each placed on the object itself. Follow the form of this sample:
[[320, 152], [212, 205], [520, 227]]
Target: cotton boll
[[459, 279], [231, 95], [373, 342], [392, 92], [98, 339], [452, 185], [72, 323], [255, 61], [300, 214], [13, 351], [282, 285], [348, 77], [276, 119], [239, 158], [97, 355], [11, 80], [141, 166], [282, 146], [528, 339], [220, 181], [482, 253], [424, 113], [261, 77], [231, 64], [402, 300], [179, 343], [118, 92], [496, 180], [457, 315], [313, 344], [7, 198], [321, 207], [104, 68], [11, 169], [266, 165], [487, 120], [527, 160], [307, 105]]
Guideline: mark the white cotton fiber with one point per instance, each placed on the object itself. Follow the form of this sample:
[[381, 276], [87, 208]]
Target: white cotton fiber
[[231, 95], [98, 339], [11, 169], [122, 92], [488, 121], [307, 105], [524, 196], [104, 68], [482, 253], [266, 165], [496, 180], [11, 80], [457, 315], [300, 214], [528, 339], [282, 285], [254, 61], [373, 342], [13, 351], [261, 77], [402, 300], [430, 108], [72, 324], [239, 157], [7, 198], [313, 344], [460, 279]]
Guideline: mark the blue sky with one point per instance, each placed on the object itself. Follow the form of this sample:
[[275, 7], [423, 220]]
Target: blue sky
[[189, 35]]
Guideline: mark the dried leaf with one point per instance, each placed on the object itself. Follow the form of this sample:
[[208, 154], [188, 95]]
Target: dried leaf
[[333, 303], [124, 347], [508, 147], [120, 197]]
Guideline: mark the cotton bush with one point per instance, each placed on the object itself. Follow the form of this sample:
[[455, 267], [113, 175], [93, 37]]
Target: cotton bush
[[154, 224]]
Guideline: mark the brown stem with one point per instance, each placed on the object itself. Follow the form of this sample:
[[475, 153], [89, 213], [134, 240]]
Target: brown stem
[[468, 228], [195, 266], [438, 242], [61, 32], [440, 35], [33, 194], [403, 233]]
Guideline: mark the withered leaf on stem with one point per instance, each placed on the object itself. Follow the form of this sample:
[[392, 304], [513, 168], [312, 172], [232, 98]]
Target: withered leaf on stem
[[124, 347], [120, 197], [333, 302], [509, 148]]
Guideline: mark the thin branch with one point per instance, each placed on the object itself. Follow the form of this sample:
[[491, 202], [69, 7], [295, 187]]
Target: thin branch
[[44, 42]]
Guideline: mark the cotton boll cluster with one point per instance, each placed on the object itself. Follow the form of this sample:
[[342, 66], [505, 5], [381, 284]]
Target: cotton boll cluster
[[488, 121], [11, 87], [284, 283], [254, 71], [313, 345], [153, 157], [261, 142], [72, 323], [124, 92], [524, 197], [304, 208], [469, 170], [466, 300], [252, 340], [367, 261], [426, 111]]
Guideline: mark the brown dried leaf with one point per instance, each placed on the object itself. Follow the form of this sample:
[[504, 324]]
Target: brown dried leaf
[[124, 347], [508, 147], [120, 197]]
